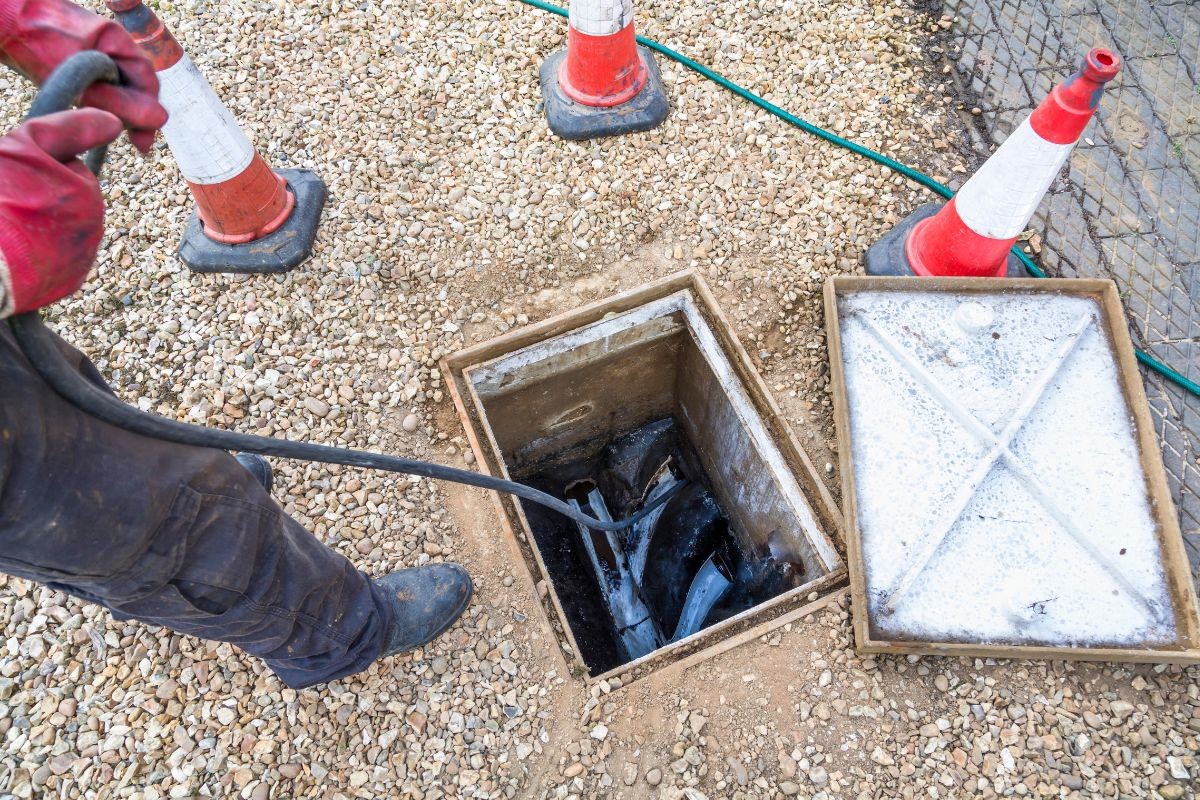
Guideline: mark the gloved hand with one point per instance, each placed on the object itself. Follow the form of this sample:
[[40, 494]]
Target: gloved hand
[[38, 35], [51, 210]]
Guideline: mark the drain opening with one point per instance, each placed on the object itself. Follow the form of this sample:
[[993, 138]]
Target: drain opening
[[612, 403], [678, 571]]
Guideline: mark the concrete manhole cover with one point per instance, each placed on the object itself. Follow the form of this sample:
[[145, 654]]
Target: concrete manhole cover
[[1004, 490]]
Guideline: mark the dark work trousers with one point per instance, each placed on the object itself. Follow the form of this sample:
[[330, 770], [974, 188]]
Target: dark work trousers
[[178, 536]]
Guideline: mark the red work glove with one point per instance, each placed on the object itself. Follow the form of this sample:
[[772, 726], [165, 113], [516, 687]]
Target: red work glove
[[51, 210], [38, 35]]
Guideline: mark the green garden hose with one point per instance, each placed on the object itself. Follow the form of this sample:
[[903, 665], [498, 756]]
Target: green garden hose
[[909, 172]]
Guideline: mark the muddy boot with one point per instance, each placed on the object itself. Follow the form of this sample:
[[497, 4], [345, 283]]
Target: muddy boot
[[425, 602], [258, 467]]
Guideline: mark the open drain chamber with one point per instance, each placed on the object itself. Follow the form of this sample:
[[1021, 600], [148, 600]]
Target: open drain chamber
[[613, 404]]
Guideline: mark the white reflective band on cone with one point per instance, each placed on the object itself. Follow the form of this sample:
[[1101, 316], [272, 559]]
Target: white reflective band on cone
[[205, 139], [999, 199], [600, 17]]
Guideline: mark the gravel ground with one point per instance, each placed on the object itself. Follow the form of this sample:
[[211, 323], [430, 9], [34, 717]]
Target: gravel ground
[[455, 215]]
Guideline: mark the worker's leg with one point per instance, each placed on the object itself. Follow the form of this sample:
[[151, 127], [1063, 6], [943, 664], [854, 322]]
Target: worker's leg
[[180, 536]]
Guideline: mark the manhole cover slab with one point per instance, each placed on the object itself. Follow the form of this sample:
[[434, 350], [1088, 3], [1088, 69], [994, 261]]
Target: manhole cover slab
[[1004, 491]]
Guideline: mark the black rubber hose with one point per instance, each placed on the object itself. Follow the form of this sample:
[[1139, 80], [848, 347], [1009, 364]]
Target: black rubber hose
[[59, 93], [42, 351], [64, 86]]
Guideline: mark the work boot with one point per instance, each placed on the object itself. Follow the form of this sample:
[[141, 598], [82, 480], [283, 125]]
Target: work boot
[[259, 468], [425, 602]]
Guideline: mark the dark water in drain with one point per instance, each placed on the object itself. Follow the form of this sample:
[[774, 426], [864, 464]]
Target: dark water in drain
[[624, 600]]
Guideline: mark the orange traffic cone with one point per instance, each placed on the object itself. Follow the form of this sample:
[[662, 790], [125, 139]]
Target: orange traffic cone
[[972, 234], [603, 83], [248, 218]]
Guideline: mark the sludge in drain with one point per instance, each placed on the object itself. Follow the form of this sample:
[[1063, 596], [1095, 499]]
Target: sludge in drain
[[679, 570]]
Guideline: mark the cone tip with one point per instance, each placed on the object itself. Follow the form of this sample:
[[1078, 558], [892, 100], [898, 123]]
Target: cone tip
[[1101, 65]]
